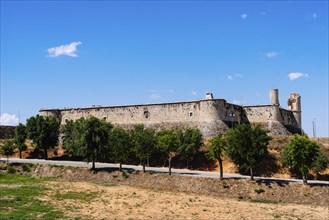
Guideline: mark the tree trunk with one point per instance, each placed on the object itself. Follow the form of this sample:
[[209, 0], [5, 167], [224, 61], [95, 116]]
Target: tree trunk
[[187, 163], [143, 166], [20, 153], [169, 160], [304, 179], [120, 167], [220, 168], [93, 163], [251, 174], [46, 153]]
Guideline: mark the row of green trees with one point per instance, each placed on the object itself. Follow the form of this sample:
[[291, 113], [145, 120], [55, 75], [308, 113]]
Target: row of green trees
[[94, 139], [42, 131], [246, 146], [97, 140]]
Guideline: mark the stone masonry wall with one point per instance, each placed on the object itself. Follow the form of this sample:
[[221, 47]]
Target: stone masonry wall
[[7, 132], [211, 116]]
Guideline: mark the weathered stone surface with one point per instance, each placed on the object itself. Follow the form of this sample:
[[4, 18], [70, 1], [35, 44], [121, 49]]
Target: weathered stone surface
[[211, 116], [7, 132]]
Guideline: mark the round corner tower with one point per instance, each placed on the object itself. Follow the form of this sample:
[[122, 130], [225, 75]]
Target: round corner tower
[[295, 105], [274, 97]]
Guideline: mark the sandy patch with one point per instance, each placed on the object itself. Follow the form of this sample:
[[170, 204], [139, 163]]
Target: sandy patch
[[125, 202]]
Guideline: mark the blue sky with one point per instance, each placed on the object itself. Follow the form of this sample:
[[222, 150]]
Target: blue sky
[[57, 54]]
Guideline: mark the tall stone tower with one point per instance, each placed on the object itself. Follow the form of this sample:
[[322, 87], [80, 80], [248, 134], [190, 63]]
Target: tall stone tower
[[274, 97], [295, 105], [274, 102]]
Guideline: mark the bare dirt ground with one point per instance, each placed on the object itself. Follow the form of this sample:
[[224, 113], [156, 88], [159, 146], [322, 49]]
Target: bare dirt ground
[[126, 202], [271, 191]]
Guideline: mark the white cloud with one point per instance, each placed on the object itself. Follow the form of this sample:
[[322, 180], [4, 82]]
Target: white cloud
[[8, 119], [271, 54], [67, 49], [297, 75], [194, 93], [234, 76], [155, 96], [243, 16]]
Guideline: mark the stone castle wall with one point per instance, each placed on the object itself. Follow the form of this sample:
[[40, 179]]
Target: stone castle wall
[[211, 116], [7, 132]]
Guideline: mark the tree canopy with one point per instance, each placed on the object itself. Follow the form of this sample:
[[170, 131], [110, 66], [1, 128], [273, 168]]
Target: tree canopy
[[20, 136], [43, 131], [143, 140], [120, 145], [168, 143], [190, 142], [87, 138], [216, 150], [301, 153], [7, 148], [246, 145]]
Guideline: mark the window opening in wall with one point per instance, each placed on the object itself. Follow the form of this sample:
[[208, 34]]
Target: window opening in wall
[[191, 114], [146, 114]]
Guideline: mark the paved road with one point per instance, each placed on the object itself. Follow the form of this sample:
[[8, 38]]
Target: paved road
[[161, 170]]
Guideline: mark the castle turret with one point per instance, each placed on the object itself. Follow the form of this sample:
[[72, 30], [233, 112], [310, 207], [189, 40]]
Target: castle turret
[[209, 96], [274, 97], [294, 105]]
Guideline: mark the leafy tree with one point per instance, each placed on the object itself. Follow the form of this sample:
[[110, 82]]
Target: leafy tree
[[88, 138], [217, 146], [143, 140], [190, 142], [246, 145], [168, 143], [43, 131], [70, 138], [301, 154], [20, 136], [120, 145], [321, 163], [7, 149]]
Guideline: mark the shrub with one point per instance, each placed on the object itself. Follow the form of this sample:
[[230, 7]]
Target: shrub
[[11, 169], [26, 168], [225, 184], [259, 190], [125, 175]]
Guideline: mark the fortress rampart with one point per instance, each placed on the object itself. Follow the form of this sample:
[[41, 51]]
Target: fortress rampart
[[211, 116]]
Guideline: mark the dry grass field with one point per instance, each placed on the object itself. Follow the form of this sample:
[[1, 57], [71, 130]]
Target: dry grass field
[[95, 201]]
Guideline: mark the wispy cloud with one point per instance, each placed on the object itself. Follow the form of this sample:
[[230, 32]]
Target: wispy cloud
[[314, 15], [64, 50], [8, 119], [237, 102], [243, 16], [297, 75], [194, 93], [234, 76], [272, 54], [155, 96]]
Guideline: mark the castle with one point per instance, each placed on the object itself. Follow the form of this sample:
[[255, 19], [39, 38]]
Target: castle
[[210, 115]]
